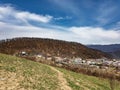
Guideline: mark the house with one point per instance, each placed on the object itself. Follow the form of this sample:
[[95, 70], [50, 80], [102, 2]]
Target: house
[[49, 58], [58, 59], [77, 61], [93, 63], [88, 62], [39, 55], [83, 61], [23, 53], [118, 64], [107, 63]]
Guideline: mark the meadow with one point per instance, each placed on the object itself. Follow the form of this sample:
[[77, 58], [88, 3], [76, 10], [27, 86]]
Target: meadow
[[22, 74]]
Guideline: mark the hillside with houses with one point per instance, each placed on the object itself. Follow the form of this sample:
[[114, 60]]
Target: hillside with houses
[[102, 67], [69, 55], [23, 74]]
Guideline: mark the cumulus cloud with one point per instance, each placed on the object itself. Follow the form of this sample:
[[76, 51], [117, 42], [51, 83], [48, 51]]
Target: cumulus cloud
[[10, 14], [96, 35], [85, 35], [10, 31]]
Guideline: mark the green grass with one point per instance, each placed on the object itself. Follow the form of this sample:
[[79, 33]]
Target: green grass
[[84, 82], [29, 75], [36, 76]]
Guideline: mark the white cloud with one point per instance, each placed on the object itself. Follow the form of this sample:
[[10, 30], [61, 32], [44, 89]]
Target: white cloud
[[32, 16], [92, 35], [86, 35], [10, 31], [10, 14], [62, 18]]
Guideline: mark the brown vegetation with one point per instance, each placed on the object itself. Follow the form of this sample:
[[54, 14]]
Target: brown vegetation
[[49, 46], [111, 75]]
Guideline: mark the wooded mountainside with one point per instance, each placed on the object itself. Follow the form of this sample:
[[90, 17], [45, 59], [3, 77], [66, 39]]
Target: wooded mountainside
[[49, 46]]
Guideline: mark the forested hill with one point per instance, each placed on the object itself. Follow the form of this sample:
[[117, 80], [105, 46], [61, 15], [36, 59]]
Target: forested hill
[[49, 46], [113, 49]]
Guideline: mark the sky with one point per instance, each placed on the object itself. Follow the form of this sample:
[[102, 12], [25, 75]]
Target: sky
[[82, 21]]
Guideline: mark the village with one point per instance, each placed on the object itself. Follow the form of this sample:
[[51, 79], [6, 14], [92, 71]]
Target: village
[[102, 63]]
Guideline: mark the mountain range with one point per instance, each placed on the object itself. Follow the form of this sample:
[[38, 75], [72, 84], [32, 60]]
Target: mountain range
[[113, 49]]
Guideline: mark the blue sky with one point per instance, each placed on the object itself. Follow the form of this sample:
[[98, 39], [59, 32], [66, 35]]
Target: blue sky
[[84, 21]]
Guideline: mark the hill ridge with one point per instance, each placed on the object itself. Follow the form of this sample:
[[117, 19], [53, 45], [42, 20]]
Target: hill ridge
[[49, 46]]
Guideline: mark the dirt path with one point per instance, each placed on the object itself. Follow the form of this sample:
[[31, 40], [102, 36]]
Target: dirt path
[[62, 81]]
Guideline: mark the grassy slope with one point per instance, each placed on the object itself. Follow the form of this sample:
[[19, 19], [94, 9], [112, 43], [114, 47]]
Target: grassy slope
[[35, 76], [22, 74], [83, 82]]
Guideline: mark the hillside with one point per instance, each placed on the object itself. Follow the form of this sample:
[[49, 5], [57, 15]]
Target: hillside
[[49, 46], [113, 49], [106, 48], [115, 54], [21, 74]]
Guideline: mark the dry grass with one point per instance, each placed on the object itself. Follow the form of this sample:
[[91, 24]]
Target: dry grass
[[79, 81], [24, 74], [21, 74]]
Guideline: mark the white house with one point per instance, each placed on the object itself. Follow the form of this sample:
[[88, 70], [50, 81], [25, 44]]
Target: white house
[[77, 60], [23, 53]]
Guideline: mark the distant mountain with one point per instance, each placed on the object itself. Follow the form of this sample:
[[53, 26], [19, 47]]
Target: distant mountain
[[115, 54], [113, 49], [49, 46]]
